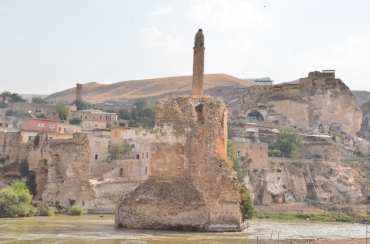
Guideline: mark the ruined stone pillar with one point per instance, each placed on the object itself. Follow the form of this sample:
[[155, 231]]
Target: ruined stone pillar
[[198, 64], [78, 91]]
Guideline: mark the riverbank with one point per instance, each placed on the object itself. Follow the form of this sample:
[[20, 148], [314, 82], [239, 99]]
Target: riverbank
[[93, 229], [348, 241], [303, 211]]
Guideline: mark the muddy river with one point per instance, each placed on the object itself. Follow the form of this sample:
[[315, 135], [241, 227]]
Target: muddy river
[[96, 229]]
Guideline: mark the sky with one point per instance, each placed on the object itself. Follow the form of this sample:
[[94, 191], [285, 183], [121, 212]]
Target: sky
[[48, 46]]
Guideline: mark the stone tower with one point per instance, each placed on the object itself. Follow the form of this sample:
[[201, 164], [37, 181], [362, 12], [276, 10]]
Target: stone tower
[[78, 91], [198, 64]]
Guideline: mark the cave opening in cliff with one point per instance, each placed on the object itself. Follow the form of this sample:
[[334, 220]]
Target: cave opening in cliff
[[255, 115], [120, 172]]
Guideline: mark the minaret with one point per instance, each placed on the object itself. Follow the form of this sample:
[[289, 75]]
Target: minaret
[[198, 64], [78, 91]]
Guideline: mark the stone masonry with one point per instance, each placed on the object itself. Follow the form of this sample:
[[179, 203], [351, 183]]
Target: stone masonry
[[192, 185], [79, 91], [198, 64]]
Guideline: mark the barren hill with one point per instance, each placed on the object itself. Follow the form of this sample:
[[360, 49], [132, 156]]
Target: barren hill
[[221, 85]]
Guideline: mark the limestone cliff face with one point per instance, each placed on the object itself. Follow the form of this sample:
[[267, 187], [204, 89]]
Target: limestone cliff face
[[365, 125], [319, 109], [318, 104], [284, 181], [191, 187]]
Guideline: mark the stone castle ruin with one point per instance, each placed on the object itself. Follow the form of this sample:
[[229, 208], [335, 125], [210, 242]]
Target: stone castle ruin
[[319, 104], [192, 185]]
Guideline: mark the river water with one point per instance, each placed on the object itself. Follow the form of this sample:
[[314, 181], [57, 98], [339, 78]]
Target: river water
[[95, 229]]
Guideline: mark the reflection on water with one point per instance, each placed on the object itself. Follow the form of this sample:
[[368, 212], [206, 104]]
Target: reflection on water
[[94, 229]]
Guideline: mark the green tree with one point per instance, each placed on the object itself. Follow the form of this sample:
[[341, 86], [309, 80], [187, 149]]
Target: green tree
[[123, 113], [5, 95], [246, 204], [20, 114], [147, 116], [139, 104], [110, 110], [75, 121], [276, 152], [39, 100], [288, 141], [117, 150], [15, 200], [41, 116], [81, 104], [63, 110], [15, 97]]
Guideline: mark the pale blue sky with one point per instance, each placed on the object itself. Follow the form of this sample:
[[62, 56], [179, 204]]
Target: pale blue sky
[[48, 46]]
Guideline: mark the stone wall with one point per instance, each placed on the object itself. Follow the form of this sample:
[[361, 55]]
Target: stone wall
[[62, 172], [256, 154], [192, 185], [325, 151], [98, 156]]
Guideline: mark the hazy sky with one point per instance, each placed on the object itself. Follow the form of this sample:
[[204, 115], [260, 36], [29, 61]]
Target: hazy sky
[[48, 46]]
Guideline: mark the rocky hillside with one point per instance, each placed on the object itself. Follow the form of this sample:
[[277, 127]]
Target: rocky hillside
[[286, 182], [315, 105], [219, 85], [362, 97], [365, 125]]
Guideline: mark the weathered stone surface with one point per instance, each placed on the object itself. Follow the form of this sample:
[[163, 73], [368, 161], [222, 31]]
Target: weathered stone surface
[[314, 179], [192, 186], [317, 104]]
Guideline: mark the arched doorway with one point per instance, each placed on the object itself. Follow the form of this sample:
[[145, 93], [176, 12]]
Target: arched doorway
[[120, 172]]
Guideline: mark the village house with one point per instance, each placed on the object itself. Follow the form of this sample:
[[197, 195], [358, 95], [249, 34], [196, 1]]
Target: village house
[[95, 119], [37, 124], [49, 110]]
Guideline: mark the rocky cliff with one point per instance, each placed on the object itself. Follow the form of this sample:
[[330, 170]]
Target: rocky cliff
[[192, 186], [365, 125], [319, 104], [288, 181]]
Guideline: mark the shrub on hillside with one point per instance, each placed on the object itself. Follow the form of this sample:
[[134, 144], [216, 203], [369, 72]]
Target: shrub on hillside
[[75, 210], [246, 205], [15, 201], [48, 211]]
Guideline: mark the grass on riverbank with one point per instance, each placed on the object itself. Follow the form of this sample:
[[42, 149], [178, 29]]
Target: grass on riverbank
[[319, 216]]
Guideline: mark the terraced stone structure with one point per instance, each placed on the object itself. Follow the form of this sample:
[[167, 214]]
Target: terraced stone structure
[[192, 185]]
